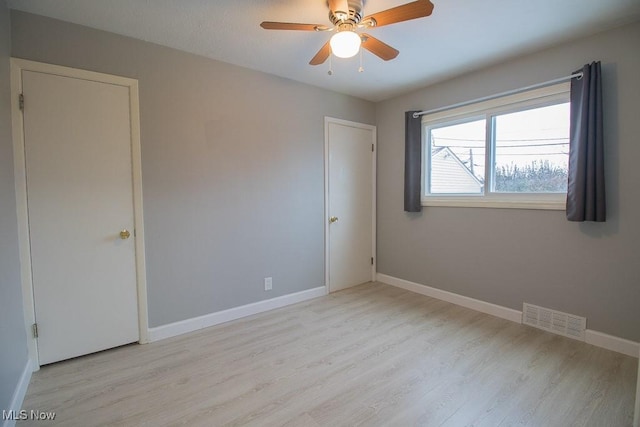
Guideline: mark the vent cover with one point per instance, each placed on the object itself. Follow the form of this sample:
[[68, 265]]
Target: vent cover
[[554, 321]]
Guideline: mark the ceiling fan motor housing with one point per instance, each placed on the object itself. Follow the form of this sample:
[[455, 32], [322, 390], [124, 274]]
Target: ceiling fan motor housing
[[354, 15]]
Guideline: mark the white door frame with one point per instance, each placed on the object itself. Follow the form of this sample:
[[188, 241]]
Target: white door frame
[[636, 412], [374, 155], [17, 66]]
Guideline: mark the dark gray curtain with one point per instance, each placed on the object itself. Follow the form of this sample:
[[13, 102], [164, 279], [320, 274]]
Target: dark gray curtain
[[412, 162], [585, 189]]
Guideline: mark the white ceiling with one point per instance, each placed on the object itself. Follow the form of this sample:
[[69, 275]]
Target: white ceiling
[[460, 35]]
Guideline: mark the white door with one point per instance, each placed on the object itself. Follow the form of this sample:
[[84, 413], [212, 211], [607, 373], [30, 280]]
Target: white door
[[350, 203], [77, 144]]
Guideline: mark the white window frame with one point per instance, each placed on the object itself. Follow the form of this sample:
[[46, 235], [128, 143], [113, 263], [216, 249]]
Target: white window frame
[[542, 97]]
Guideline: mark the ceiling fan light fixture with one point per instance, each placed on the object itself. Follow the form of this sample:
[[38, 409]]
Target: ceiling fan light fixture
[[345, 44]]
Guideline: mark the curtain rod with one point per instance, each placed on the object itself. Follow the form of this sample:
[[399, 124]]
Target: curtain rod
[[499, 95]]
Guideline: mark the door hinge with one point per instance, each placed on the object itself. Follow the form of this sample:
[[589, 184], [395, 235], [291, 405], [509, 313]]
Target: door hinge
[[34, 327], [372, 147], [21, 102], [371, 260]]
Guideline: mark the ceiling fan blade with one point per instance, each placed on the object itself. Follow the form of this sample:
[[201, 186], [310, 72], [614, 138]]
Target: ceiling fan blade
[[378, 48], [339, 6], [406, 12], [268, 25], [322, 55]]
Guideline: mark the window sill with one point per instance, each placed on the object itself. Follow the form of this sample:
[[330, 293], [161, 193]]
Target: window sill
[[554, 202]]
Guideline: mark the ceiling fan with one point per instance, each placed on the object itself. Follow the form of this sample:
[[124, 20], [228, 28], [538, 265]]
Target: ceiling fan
[[347, 17]]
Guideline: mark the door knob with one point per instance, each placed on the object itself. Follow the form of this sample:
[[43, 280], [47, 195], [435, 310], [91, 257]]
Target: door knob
[[124, 234], [333, 219]]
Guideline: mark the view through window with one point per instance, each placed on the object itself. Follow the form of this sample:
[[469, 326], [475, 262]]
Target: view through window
[[519, 148]]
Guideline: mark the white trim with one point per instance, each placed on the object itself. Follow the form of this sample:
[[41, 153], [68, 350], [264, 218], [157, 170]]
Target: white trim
[[557, 202], [610, 342], [599, 339], [201, 322], [326, 204], [472, 303], [374, 156], [17, 65], [19, 393], [374, 204], [138, 217], [636, 412], [19, 170]]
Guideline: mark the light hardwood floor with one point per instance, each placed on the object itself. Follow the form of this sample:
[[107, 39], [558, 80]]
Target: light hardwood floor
[[372, 355]]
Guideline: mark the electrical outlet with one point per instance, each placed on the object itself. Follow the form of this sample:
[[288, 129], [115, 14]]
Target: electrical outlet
[[268, 283]]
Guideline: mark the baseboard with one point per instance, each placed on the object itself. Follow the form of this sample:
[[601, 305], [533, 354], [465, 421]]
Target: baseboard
[[19, 393], [610, 342], [201, 322], [472, 303], [599, 339]]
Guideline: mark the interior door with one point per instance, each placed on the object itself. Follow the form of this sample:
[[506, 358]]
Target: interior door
[[77, 138], [351, 179]]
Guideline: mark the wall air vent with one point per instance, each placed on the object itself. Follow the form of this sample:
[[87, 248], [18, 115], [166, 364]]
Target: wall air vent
[[554, 321]]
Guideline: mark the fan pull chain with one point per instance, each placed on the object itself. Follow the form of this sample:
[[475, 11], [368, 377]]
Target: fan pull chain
[[361, 69], [330, 72]]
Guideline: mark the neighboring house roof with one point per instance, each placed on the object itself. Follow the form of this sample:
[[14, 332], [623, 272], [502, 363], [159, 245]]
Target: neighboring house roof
[[450, 175]]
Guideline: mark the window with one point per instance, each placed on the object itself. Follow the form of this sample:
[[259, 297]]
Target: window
[[507, 152]]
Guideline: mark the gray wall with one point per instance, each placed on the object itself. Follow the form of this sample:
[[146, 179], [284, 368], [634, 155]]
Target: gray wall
[[232, 165], [233, 183], [13, 339], [507, 256]]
